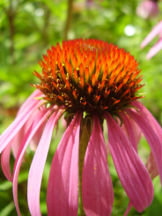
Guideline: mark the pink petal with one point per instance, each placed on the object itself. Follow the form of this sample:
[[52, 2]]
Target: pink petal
[[34, 142], [131, 171], [155, 31], [5, 162], [151, 166], [153, 138], [97, 189], [15, 145], [5, 156], [132, 131], [147, 115], [30, 99], [134, 135], [19, 136], [17, 124], [37, 166], [27, 138], [62, 192], [16, 141], [155, 49], [128, 209]]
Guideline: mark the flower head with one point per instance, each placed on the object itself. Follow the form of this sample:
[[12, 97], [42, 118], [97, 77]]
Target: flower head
[[88, 81], [89, 75]]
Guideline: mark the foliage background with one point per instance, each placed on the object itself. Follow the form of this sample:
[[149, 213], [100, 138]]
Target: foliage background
[[28, 28]]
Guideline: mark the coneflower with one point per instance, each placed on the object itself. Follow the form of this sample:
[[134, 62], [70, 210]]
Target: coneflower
[[87, 81]]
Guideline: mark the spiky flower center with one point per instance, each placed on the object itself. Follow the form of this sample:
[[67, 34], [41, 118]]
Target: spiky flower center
[[89, 75]]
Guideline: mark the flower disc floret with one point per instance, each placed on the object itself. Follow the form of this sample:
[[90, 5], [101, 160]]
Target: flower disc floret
[[89, 75]]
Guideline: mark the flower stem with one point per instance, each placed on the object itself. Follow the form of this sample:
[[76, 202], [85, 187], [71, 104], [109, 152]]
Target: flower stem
[[10, 14], [68, 19], [86, 128]]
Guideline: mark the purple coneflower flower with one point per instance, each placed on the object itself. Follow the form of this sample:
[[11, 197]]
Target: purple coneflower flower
[[156, 31], [89, 81], [148, 9]]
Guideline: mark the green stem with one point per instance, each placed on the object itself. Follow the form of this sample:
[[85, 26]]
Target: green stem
[[68, 19], [11, 18], [86, 128]]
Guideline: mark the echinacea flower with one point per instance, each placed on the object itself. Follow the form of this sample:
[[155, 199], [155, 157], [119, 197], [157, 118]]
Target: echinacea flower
[[148, 9], [88, 81], [156, 31]]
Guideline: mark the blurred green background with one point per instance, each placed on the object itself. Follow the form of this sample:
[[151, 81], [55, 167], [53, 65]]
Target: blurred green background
[[28, 28]]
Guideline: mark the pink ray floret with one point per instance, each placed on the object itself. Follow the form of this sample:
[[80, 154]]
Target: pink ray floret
[[96, 181], [156, 31]]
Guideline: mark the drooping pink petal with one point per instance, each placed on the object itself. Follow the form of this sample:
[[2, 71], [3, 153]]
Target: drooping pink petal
[[128, 209], [131, 130], [155, 49], [134, 134], [155, 31], [16, 141], [151, 166], [27, 138], [37, 135], [62, 192], [34, 142], [37, 166], [153, 138], [150, 118], [97, 189], [19, 136], [131, 171], [30, 99], [5, 162], [5, 156], [17, 124], [14, 144]]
